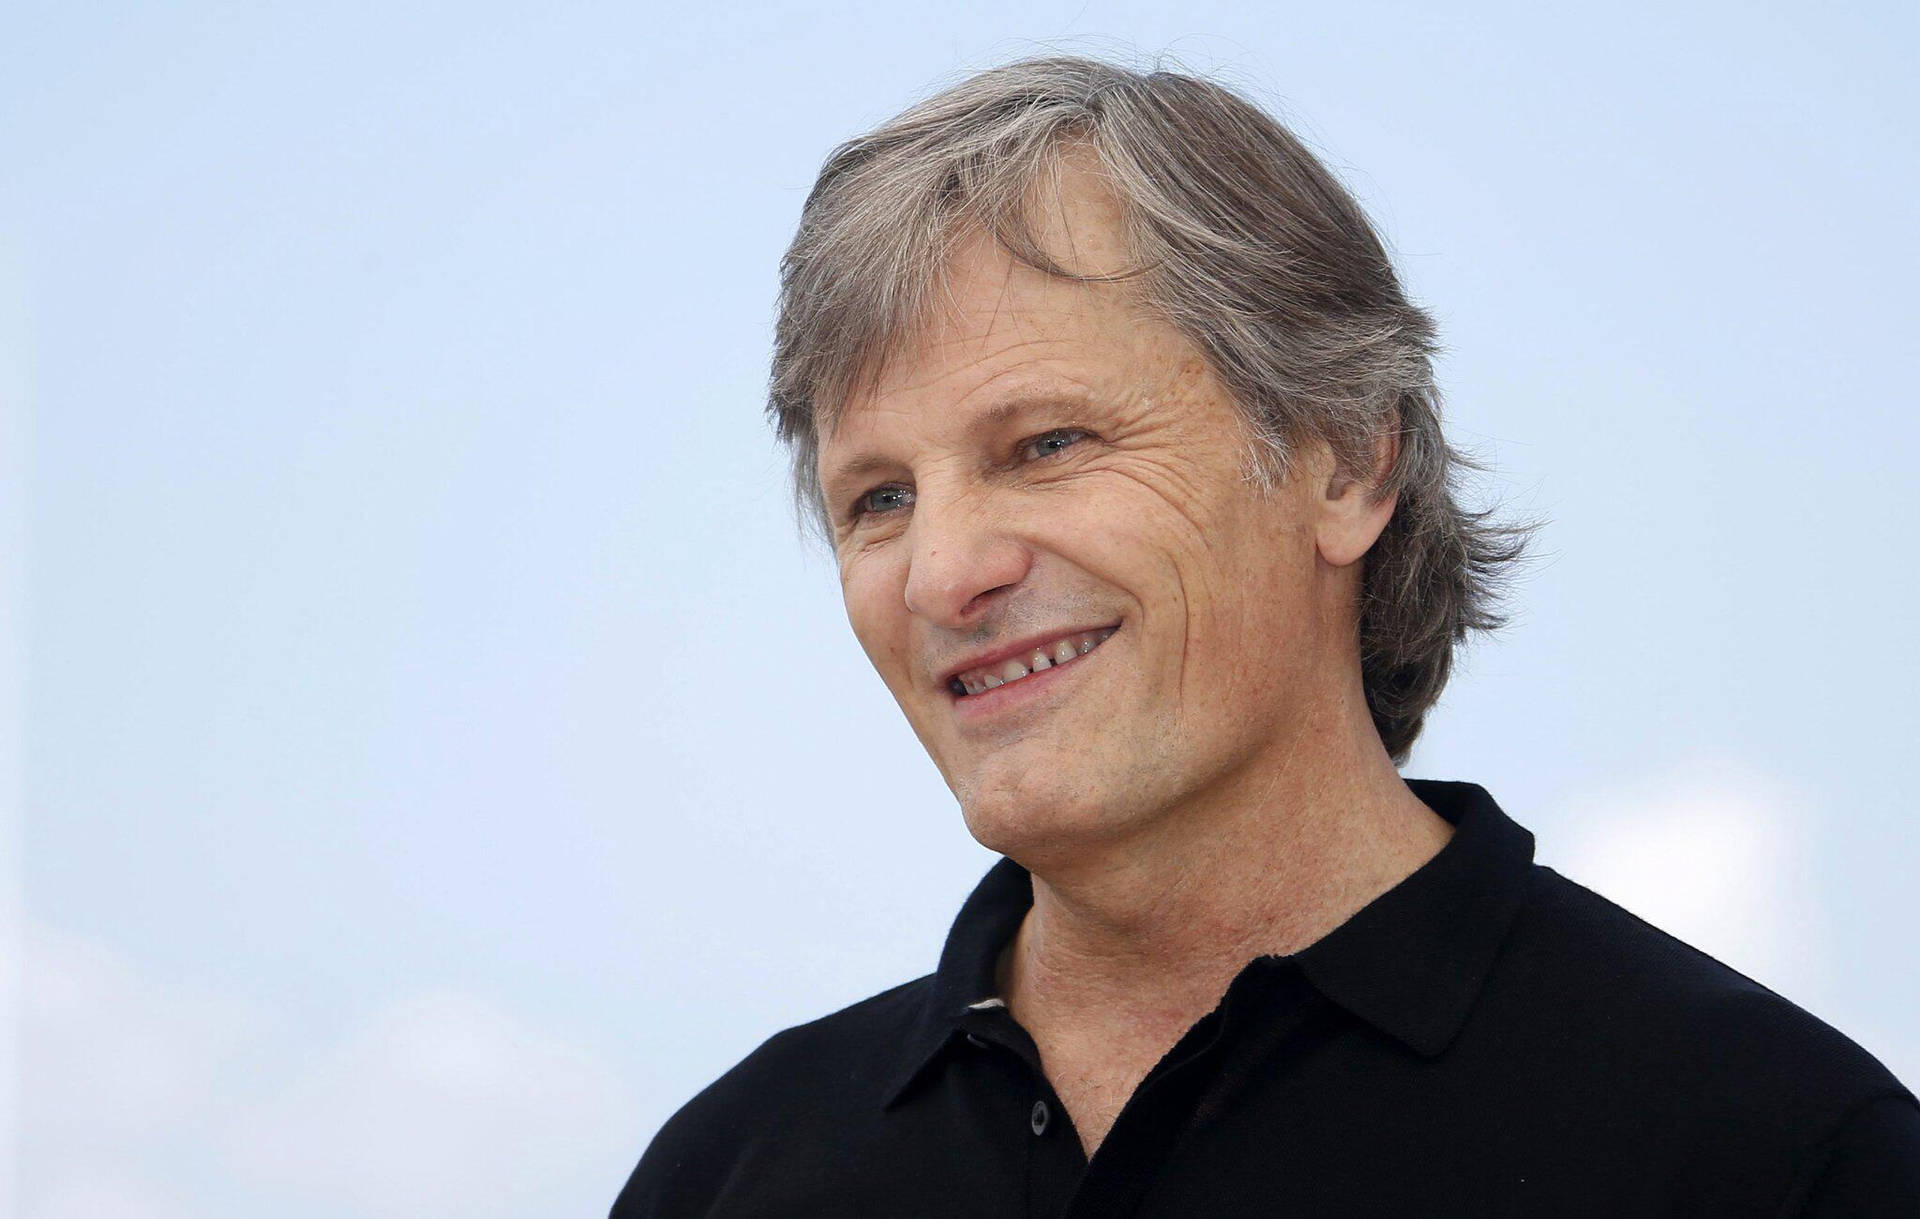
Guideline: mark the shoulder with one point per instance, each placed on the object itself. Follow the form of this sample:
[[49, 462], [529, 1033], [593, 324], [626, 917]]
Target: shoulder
[[803, 1074], [1684, 1033]]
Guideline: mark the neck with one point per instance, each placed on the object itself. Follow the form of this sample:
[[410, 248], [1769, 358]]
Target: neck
[[1146, 933]]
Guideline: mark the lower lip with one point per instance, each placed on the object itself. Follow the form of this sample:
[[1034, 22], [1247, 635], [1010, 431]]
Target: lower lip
[[1019, 693]]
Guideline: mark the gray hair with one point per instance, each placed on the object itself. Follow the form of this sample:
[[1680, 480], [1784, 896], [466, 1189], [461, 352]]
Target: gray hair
[[1243, 241]]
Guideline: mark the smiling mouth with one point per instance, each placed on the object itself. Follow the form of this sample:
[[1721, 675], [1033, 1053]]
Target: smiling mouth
[[1064, 650]]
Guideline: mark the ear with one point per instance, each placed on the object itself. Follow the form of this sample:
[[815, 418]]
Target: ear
[[1348, 515]]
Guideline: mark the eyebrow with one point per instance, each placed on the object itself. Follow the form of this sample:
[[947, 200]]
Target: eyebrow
[[833, 485], [1022, 404]]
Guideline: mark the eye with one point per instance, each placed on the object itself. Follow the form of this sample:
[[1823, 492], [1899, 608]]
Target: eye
[[890, 497], [1046, 444]]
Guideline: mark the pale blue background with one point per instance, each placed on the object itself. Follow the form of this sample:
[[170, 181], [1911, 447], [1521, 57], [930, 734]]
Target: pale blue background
[[440, 756]]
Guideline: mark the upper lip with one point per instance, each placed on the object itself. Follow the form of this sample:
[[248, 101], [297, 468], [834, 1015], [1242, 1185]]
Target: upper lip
[[1012, 651]]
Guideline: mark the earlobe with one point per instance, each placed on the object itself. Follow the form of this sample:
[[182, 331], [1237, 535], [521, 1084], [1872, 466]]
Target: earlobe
[[1350, 530]]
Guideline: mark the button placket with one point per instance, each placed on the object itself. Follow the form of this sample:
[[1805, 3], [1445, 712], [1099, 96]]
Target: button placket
[[1039, 1117]]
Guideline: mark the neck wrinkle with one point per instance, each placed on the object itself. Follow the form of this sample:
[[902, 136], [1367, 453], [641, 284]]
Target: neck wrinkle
[[1154, 931]]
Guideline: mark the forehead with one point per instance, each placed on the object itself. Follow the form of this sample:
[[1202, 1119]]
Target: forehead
[[994, 312], [987, 305], [1012, 347], [1004, 334]]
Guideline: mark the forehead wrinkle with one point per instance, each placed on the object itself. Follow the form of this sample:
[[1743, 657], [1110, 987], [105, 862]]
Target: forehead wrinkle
[[1030, 391], [937, 328], [982, 255], [1007, 269], [943, 312], [924, 369], [1034, 396], [847, 471], [946, 324]]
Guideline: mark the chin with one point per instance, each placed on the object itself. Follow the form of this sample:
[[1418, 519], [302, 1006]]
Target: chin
[[1035, 822]]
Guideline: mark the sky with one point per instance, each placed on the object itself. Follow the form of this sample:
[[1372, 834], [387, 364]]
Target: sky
[[429, 752]]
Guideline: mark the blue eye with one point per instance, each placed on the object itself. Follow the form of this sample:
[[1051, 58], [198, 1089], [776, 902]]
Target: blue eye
[[1048, 443], [889, 498]]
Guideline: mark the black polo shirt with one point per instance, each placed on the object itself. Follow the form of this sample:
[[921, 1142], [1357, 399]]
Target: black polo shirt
[[1486, 1038]]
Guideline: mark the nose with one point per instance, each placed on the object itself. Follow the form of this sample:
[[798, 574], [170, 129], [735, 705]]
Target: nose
[[959, 557]]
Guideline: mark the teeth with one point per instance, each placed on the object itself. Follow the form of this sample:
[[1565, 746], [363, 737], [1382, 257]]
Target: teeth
[[1059, 652]]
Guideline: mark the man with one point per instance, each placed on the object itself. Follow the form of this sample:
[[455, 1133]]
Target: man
[[1127, 442]]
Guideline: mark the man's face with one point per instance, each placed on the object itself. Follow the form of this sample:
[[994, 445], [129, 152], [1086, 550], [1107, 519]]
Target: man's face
[[1050, 551]]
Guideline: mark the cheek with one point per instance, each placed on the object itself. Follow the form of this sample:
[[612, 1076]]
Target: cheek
[[1269, 613], [1123, 527], [1243, 598], [876, 610]]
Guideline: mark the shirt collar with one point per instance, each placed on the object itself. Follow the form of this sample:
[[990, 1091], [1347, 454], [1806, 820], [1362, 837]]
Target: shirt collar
[[1410, 963]]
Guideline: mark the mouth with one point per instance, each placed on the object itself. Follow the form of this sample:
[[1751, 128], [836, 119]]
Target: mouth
[[1023, 664]]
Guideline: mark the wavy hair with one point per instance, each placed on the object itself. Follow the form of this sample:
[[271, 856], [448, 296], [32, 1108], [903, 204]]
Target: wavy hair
[[1241, 238]]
